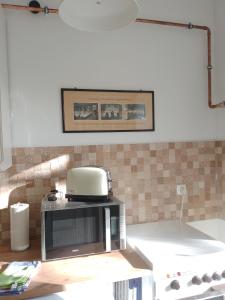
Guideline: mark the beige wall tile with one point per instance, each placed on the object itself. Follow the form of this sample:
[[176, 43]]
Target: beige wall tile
[[144, 177]]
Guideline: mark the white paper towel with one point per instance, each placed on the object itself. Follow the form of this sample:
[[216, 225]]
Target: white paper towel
[[19, 226]]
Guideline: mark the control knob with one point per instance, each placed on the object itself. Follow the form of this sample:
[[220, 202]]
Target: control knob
[[175, 285], [216, 276], [207, 278], [196, 280]]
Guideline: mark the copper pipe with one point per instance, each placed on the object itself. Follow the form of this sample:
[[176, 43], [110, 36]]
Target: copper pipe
[[209, 67], [209, 51], [167, 23], [148, 21], [29, 8], [209, 43]]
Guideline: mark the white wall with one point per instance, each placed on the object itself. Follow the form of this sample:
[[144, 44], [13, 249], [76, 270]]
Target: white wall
[[5, 132], [220, 64], [46, 55]]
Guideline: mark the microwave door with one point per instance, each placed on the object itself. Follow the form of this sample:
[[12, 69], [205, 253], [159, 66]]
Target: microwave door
[[74, 232], [112, 227]]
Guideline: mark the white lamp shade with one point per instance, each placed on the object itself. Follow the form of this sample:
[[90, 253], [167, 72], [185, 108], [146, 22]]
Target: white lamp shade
[[98, 15]]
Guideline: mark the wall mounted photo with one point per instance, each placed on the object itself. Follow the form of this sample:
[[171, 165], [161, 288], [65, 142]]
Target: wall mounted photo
[[85, 110]]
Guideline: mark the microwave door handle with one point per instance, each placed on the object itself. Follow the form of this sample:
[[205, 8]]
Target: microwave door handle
[[107, 230]]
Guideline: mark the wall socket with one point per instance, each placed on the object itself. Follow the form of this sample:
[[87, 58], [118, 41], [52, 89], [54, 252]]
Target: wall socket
[[181, 189]]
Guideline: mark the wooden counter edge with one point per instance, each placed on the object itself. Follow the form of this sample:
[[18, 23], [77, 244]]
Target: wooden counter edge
[[133, 265]]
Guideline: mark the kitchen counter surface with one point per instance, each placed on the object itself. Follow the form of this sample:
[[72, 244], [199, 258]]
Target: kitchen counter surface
[[61, 275]]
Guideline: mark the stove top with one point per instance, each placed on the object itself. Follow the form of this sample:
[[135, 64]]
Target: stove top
[[178, 239], [184, 260]]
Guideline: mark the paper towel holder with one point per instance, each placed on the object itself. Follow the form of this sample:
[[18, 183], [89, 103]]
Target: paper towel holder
[[19, 226]]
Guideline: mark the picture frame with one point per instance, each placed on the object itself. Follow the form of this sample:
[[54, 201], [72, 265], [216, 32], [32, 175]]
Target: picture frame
[[93, 110]]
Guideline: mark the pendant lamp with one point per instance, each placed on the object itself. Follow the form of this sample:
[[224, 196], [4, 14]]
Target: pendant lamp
[[98, 15]]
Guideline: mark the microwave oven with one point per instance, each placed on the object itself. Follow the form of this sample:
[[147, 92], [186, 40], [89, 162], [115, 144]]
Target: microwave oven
[[70, 228]]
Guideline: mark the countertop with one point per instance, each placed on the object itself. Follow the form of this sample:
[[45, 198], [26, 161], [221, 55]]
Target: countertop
[[60, 275]]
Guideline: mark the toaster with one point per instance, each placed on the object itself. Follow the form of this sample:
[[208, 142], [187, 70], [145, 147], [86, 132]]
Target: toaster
[[89, 184]]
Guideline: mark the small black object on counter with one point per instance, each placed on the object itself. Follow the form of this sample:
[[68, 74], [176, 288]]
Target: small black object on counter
[[52, 195]]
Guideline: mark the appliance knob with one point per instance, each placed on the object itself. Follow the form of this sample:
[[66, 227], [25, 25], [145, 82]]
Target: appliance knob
[[175, 285], [207, 278], [216, 276], [223, 274], [196, 280]]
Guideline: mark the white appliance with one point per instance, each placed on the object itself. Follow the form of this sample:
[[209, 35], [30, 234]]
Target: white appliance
[[212, 227], [186, 263]]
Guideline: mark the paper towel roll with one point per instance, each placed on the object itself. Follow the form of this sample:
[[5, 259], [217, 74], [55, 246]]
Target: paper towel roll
[[19, 226]]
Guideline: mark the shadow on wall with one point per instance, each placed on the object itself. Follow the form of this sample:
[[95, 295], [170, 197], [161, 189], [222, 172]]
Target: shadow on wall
[[33, 180], [27, 182]]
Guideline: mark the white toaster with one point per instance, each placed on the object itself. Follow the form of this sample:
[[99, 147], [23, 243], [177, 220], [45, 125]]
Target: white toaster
[[89, 183]]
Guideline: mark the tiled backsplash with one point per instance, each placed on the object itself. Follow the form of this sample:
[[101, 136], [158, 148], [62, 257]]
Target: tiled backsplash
[[145, 177]]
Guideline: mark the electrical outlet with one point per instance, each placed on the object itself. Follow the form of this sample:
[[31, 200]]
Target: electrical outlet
[[181, 189]]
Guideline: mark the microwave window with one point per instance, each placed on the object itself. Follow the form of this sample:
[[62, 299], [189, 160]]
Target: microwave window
[[74, 231]]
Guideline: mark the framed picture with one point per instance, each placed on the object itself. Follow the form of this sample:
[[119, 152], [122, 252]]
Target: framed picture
[[86, 110]]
